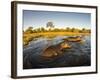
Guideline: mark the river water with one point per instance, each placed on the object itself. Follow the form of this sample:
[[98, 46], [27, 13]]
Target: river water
[[78, 55]]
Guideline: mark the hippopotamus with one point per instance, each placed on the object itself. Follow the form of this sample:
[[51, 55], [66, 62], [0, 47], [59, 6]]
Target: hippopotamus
[[55, 50], [49, 52]]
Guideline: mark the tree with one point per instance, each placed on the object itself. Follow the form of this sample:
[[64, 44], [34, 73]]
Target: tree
[[68, 29], [73, 29], [42, 29], [50, 25], [83, 30], [38, 29], [29, 30]]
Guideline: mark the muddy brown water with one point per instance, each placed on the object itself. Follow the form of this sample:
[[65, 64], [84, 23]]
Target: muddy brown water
[[78, 55]]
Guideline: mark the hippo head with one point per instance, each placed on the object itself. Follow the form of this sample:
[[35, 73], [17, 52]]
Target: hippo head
[[64, 45]]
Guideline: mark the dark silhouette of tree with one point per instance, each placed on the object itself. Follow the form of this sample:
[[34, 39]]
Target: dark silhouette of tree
[[42, 29], [83, 30], [50, 24], [38, 29], [73, 29], [29, 30], [68, 29]]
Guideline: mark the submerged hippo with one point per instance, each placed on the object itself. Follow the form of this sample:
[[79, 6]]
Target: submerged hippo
[[55, 50], [74, 38]]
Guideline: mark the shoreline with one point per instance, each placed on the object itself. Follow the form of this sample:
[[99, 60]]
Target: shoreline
[[28, 37]]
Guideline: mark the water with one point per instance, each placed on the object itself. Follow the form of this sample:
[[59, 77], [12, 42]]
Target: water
[[78, 55]]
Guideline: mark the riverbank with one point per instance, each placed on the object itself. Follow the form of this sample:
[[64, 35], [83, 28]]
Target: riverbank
[[27, 37]]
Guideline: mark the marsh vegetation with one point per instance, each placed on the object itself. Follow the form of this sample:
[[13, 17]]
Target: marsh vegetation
[[32, 34]]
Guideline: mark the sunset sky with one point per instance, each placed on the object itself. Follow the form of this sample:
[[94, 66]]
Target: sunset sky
[[60, 19]]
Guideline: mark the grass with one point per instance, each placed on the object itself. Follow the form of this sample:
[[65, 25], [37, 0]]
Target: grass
[[27, 37]]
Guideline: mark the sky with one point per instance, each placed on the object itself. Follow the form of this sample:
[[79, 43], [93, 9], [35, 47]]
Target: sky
[[38, 19]]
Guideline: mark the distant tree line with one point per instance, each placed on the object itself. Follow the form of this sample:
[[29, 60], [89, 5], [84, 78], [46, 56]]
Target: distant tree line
[[51, 28], [68, 29]]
